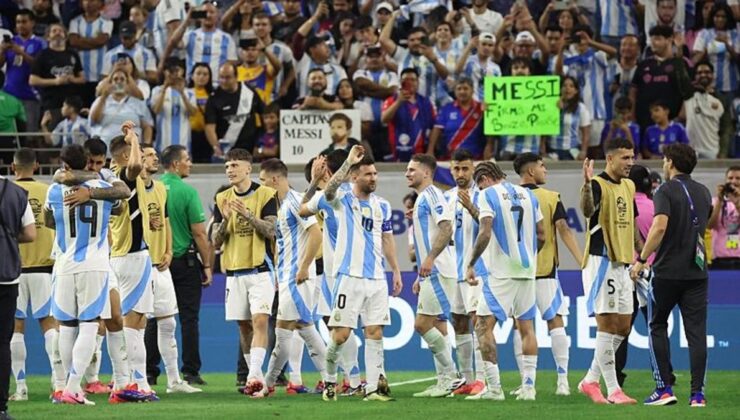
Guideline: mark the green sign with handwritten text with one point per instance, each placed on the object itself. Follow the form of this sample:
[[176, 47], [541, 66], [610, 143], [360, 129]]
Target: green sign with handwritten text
[[522, 105]]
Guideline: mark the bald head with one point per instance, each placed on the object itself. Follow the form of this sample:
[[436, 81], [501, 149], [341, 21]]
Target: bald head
[[227, 77]]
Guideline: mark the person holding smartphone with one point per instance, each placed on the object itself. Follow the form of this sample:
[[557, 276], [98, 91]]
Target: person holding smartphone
[[144, 58]]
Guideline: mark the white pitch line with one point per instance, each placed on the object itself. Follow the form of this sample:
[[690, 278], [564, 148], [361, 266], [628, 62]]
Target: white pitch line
[[413, 381]]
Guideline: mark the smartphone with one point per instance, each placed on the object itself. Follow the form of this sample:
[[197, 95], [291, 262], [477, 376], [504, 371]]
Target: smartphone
[[187, 7], [426, 41], [121, 56], [199, 14], [7, 38], [559, 5], [474, 32]]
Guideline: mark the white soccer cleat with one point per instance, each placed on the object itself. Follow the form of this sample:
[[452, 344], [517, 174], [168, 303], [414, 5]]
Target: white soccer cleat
[[425, 393], [516, 391], [183, 388], [526, 393], [443, 389], [495, 394], [563, 388], [20, 395]]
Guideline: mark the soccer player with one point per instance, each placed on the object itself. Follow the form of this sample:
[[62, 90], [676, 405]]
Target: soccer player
[[298, 240], [364, 221], [607, 201], [464, 200], [34, 284], [510, 214], [245, 217], [432, 217], [314, 202], [158, 236], [80, 290], [549, 295]]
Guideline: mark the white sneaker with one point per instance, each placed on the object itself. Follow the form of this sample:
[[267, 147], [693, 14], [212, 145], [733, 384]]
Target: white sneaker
[[20, 395], [183, 388], [425, 393], [563, 388], [443, 388], [516, 390], [526, 393], [496, 394]]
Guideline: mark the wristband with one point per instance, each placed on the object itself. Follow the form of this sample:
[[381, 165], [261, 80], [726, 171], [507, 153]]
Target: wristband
[[206, 267], [641, 260]]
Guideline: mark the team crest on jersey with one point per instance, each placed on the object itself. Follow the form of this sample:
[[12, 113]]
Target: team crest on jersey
[[453, 115], [439, 209]]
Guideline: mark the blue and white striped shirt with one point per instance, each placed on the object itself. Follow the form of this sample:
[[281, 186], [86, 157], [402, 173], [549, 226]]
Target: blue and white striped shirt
[[465, 231], [382, 77], [215, 48], [142, 57], [430, 209], [520, 144], [428, 76], [319, 205], [618, 18], [291, 238], [590, 69], [478, 71], [166, 11], [725, 70], [173, 120], [570, 128], [92, 60], [68, 132]]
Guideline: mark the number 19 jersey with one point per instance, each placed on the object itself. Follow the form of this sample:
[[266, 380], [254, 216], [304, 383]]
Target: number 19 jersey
[[81, 243], [512, 252]]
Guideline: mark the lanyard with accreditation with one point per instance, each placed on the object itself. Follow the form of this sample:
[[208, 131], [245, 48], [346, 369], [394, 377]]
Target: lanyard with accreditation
[[699, 255]]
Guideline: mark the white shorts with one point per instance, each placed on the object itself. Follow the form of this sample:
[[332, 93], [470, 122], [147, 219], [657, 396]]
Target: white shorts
[[356, 297], [134, 272], [467, 297], [80, 296], [607, 286], [165, 301], [296, 302], [247, 294], [34, 289], [436, 292], [324, 286], [506, 298], [550, 298], [112, 285]]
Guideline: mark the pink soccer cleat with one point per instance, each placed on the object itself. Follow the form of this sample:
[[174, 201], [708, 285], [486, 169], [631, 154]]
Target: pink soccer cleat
[[77, 398], [619, 397], [593, 391], [96, 388]]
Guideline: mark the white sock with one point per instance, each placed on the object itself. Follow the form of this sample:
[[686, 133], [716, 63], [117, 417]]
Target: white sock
[[59, 375], [441, 350], [247, 359], [167, 345], [479, 371], [118, 359], [332, 357], [518, 352], [295, 359], [67, 337], [92, 371], [560, 351], [464, 344], [257, 358], [374, 363], [316, 348], [605, 358], [82, 353], [594, 371], [280, 354], [349, 360], [529, 370], [493, 377], [18, 360], [137, 357]]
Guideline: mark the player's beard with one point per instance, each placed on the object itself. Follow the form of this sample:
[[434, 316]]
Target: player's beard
[[462, 182]]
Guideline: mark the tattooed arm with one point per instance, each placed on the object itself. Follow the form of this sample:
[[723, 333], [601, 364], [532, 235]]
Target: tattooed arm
[[355, 156], [73, 177], [264, 227], [440, 242], [481, 242], [587, 197]]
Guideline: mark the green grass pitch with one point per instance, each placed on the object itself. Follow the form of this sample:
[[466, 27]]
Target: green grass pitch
[[220, 401]]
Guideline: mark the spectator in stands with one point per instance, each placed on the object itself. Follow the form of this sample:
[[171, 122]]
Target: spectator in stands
[[317, 55], [699, 22], [725, 222], [511, 146], [703, 114], [12, 115], [201, 86], [459, 125], [486, 20], [346, 95], [622, 125], [287, 24], [575, 123], [664, 132], [410, 117], [317, 98], [20, 53], [73, 129], [143, 34], [529, 44], [347, 44], [143, 58], [167, 17], [340, 127], [720, 43], [254, 71], [232, 113], [57, 72], [448, 51], [555, 41], [481, 65], [566, 19], [115, 106], [172, 105], [89, 33], [285, 78], [236, 20], [268, 145], [44, 13], [136, 87], [620, 79], [618, 18]]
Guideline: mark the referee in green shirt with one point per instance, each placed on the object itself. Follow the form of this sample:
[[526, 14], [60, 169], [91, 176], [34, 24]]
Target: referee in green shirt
[[189, 274]]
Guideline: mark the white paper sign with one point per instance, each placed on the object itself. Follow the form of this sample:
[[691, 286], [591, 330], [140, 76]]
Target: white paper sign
[[305, 134]]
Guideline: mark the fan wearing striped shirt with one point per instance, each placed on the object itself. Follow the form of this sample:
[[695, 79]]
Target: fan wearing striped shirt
[[73, 129]]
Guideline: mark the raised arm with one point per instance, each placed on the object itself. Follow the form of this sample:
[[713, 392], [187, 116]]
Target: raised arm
[[318, 169], [587, 197], [385, 35], [342, 175]]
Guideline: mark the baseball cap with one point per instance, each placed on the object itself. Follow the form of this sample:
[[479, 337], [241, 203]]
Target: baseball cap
[[127, 29], [384, 5], [487, 36], [524, 36], [315, 40]]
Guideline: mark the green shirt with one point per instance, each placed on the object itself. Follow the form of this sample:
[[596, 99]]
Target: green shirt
[[11, 109], [184, 208]]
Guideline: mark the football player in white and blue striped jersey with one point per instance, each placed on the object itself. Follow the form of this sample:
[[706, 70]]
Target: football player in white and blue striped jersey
[[89, 33], [432, 218], [510, 234], [364, 224]]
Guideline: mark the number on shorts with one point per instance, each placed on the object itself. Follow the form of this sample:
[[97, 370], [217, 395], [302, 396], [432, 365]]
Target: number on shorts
[[519, 219], [92, 220], [341, 301], [610, 285]]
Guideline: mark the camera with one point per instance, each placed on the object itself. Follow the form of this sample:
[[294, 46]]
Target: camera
[[7, 38], [199, 14], [728, 189]]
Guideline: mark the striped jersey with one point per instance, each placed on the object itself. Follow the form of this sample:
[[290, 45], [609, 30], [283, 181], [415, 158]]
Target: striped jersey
[[360, 228], [291, 237], [512, 252], [334, 74], [68, 132], [478, 71], [165, 12], [431, 209], [725, 70], [215, 48], [449, 58], [319, 205], [465, 230], [81, 232], [284, 54], [618, 18], [92, 60], [570, 128], [142, 57], [383, 78], [427, 73], [590, 69], [173, 120], [520, 144]]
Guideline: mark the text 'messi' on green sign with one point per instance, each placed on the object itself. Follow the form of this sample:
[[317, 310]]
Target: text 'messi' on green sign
[[522, 105]]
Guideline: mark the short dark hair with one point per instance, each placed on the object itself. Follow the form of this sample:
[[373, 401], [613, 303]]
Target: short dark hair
[[74, 156], [704, 63], [260, 15], [524, 159], [524, 61], [172, 154], [417, 29], [74, 102], [583, 28], [335, 159], [623, 103], [366, 161], [28, 13], [307, 169], [659, 103], [732, 168], [410, 70], [427, 160], [274, 166], [24, 157], [618, 143], [343, 117], [640, 175], [314, 70], [489, 169], [554, 28], [460, 155], [661, 30], [172, 63], [96, 147], [273, 108], [238, 154], [682, 156], [118, 145]]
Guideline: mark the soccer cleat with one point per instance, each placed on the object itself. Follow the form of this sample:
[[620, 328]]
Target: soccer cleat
[[620, 398], [698, 400], [182, 387], [241, 381], [377, 396], [293, 389], [457, 383], [96, 387], [329, 393], [345, 385], [425, 393], [352, 392], [20, 395], [75, 398], [253, 386], [563, 388], [464, 390], [495, 394], [264, 392], [442, 389], [150, 395], [129, 394], [56, 397], [593, 391], [319, 387], [383, 386], [478, 387], [526, 393], [661, 396], [515, 391]]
